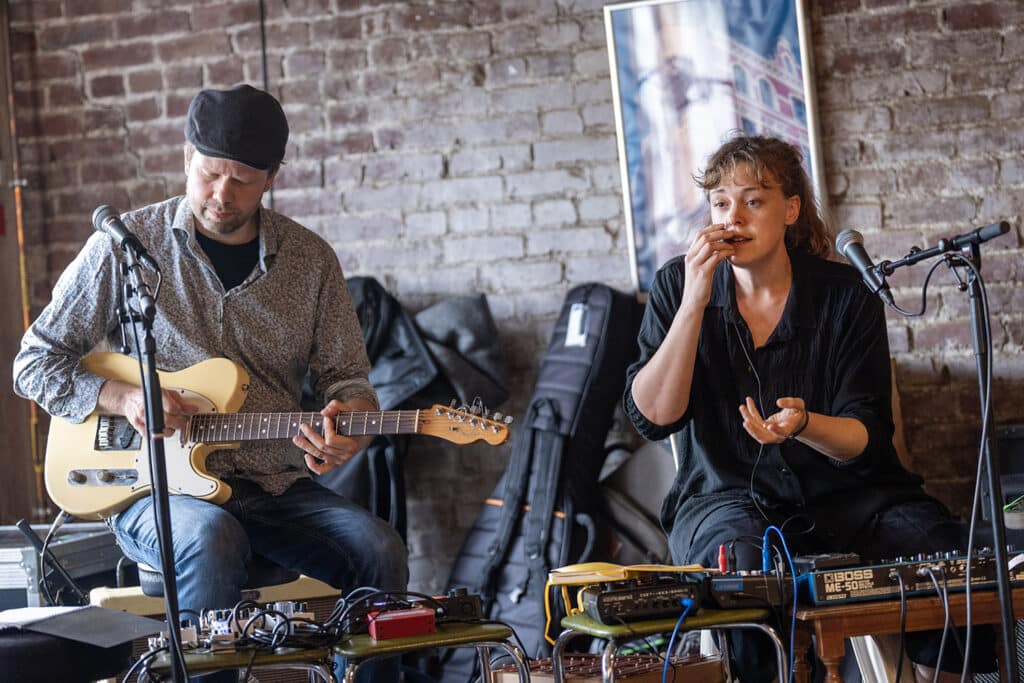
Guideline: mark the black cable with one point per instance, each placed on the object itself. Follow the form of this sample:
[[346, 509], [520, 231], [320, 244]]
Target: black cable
[[942, 595], [248, 667], [636, 636], [139, 662], [760, 406], [924, 293], [903, 627], [952, 620]]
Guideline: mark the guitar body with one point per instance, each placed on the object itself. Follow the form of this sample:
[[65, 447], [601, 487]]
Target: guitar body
[[93, 472]]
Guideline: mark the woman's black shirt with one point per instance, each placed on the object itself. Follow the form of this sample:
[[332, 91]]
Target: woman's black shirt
[[829, 348]]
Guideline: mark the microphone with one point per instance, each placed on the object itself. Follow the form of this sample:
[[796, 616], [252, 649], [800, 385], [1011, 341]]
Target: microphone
[[850, 244], [106, 219]]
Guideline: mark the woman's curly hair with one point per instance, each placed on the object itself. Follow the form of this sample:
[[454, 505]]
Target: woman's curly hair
[[774, 160]]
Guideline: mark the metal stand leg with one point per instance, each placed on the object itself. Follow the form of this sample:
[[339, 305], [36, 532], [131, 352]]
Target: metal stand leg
[[608, 661], [557, 673]]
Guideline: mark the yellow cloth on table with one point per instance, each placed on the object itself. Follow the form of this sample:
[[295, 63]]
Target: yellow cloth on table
[[588, 573]]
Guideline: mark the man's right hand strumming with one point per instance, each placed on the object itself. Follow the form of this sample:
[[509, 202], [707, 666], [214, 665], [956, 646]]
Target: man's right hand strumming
[[120, 398]]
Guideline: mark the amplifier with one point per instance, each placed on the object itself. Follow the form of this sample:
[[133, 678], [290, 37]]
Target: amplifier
[[837, 585], [87, 552], [649, 597]]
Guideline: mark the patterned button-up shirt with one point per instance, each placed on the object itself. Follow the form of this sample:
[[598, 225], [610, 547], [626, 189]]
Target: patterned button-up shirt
[[293, 315]]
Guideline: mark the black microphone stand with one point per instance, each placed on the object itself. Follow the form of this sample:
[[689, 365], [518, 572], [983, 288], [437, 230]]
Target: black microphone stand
[[137, 291], [969, 246]]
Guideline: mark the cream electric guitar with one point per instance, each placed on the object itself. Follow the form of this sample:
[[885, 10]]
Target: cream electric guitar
[[99, 467]]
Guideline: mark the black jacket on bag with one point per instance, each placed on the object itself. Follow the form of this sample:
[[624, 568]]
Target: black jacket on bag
[[449, 351]]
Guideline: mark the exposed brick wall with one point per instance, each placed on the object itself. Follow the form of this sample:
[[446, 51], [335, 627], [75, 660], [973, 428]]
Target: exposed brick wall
[[456, 147]]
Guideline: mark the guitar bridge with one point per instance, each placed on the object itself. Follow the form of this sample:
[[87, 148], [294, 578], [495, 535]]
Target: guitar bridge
[[116, 433]]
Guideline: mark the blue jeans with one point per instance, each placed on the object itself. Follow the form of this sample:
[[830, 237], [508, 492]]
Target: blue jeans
[[307, 529]]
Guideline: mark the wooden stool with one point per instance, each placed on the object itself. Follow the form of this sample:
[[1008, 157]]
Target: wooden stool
[[718, 620], [360, 649], [317, 662]]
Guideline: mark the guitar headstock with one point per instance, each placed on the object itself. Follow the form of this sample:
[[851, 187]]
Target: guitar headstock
[[463, 425]]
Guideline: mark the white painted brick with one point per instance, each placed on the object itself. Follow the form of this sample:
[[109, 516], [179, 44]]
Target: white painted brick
[[567, 240], [554, 212], [387, 197], [601, 208], [469, 219], [482, 249], [544, 183], [506, 216], [425, 223], [457, 190], [574, 150]]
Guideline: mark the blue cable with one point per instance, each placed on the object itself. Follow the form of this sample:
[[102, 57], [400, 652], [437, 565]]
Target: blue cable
[[687, 604], [766, 566]]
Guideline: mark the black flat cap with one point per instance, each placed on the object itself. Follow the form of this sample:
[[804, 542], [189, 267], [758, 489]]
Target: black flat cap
[[241, 124]]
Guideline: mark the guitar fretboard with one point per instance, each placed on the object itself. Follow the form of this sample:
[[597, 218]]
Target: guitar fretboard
[[229, 427]]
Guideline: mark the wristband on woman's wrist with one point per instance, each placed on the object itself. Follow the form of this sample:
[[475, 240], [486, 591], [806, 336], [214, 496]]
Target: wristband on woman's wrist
[[799, 430]]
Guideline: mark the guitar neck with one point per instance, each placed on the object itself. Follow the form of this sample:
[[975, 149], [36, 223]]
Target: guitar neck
[[232, 427]]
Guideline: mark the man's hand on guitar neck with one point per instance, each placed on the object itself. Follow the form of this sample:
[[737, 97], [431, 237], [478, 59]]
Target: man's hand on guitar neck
[[328, 450], [120, 398]]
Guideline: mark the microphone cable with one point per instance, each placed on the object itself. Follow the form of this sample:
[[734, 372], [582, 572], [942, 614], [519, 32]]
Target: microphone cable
[[944, 596]]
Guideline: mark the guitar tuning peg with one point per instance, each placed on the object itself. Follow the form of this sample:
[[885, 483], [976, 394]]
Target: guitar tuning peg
[[496, 416], [452, 404], [508, 419]]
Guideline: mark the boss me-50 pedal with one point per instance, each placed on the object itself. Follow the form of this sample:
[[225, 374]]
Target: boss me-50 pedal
[[912, 575]]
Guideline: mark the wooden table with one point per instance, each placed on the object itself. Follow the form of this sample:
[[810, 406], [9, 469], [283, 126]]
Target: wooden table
[[833, 624]]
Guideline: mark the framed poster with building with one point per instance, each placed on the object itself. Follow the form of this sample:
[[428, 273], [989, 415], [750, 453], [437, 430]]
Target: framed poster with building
[[686, 74]]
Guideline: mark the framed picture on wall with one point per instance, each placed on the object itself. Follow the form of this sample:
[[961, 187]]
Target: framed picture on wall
[[686, 74]]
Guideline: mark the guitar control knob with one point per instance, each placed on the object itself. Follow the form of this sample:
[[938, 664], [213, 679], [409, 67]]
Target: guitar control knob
[[105, 476], [76, 477]]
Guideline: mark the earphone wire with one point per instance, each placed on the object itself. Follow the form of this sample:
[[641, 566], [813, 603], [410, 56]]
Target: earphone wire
[[760, 406]]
